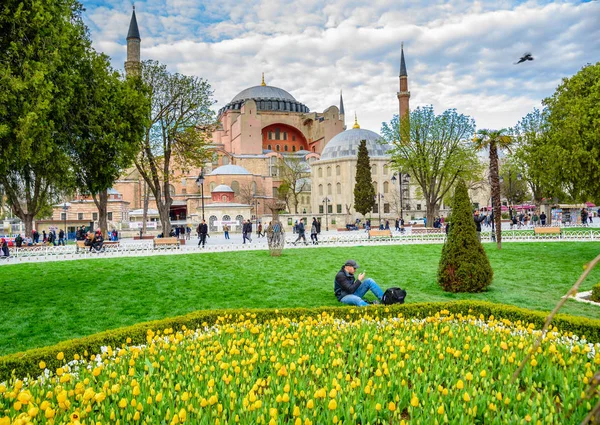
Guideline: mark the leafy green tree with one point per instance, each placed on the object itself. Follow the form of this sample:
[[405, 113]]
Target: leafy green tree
[[513, 186], [494, 140], [435, 151], [179, 127], [364, 192], [39, 41], [107, 120], [573, 134], [464, 265], [294, 172]]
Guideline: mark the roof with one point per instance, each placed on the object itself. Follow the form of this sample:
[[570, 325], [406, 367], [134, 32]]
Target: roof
[[222, 188], [133, 32], [263, 92], [228, 170], [345, 144]]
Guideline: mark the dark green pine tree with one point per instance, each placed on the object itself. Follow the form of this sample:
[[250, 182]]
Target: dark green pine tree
[[464, 266], [364, 192]]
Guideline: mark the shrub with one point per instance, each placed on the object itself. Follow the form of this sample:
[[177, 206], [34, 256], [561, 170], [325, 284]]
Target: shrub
[[596, 293], [464, 265]]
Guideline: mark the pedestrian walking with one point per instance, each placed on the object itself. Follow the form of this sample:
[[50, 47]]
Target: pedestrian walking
[[226, 231], [543, 218], [202, 232], [247, 231], [314, 231], [259, 230], [300, 230]]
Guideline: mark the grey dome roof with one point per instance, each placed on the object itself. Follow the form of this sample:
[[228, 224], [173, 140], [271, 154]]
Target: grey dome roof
[[263, 92], [222, 188], [228, 170], [345, 144]]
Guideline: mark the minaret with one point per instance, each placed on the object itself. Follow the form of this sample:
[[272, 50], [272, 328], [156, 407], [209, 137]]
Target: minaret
[[342, 113], [403, 94], [133, 65]]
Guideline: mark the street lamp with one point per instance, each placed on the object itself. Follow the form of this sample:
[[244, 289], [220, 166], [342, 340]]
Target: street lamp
[[379, 197], [256, 203], [65, 208], [327, 201], [402, 178], [200, 183]]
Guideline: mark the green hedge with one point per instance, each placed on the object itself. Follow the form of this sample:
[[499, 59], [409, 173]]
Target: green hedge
[[596, 293], [27, 363]]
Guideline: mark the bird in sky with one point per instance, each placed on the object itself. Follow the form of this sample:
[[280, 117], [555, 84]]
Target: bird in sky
[[524, 58]]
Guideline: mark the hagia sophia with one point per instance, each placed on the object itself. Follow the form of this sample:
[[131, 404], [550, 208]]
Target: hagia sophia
[[258, 128]]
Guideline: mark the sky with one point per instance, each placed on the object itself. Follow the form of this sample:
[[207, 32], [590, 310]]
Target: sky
[[459, 54]]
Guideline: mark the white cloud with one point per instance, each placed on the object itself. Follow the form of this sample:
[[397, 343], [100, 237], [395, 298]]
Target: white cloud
[[459, 53]]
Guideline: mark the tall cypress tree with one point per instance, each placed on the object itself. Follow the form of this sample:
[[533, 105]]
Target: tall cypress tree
[[364, 192], [464, 265]]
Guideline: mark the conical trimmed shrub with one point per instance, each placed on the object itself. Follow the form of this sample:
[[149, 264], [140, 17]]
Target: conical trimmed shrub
[[464, 266]]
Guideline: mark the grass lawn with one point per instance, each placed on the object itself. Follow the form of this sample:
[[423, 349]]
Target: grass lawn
[[42, 304]]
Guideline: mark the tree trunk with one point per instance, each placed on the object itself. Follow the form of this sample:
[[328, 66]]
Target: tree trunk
[[146, 202], [496, 193], [28, 221], [433, 211], [101, 201], [165, 219]]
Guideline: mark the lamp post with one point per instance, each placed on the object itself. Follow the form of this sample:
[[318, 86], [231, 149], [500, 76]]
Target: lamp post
[[327, 201], [200, 183], [65, 208], [379, 197], [256, 203], [402, 178]]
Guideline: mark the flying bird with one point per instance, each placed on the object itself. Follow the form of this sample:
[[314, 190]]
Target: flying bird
[[524, 58]]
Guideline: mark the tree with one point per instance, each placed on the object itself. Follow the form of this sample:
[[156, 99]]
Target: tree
[[435, 151], [573, 133], [513, 186], [107, 122], [464, 265], [179, 126], [294, 172], [364, 192], [494, 140], [39, 41]]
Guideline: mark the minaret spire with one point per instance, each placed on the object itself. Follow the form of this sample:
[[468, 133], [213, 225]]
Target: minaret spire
[[403, 72], [403, 94], [355, 122], [342, 113], [133, 64]]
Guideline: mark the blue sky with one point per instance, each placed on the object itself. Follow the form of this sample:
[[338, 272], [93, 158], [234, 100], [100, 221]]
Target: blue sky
[[459, 53]]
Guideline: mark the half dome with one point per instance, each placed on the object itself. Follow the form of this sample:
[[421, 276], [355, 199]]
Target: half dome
[[345, 145], [229, 169]]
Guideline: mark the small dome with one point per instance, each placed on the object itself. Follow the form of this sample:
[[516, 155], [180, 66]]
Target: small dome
[[222, 188], [228, 170], [345, 145], [263, 92]]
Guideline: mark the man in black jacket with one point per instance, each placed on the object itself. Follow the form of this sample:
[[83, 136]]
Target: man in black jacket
[[349, 290], [478, 219], [202, 232]]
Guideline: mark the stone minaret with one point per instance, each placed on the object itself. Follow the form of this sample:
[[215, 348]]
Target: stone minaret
[[133, 65], [342, 113], [403, 94]]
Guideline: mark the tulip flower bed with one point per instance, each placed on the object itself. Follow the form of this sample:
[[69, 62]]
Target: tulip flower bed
[[318, 370]]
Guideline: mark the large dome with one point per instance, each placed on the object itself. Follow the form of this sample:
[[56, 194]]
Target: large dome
[[345, 145], [263, 92], [229, 169]]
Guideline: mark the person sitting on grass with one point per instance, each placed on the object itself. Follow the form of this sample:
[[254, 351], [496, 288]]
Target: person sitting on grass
[[349, 290]]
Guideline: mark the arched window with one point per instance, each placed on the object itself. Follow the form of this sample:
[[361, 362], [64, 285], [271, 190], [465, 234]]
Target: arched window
[[386, 187], [373, 169], [240, 221], [338, 170], [320, 172], [225, 218], [235, 186], [320, 189], [285, 148], [329, 188], [171, 190], [225, 160], [278, 148], [211, 223], [212, 186], [269, 147], [338, 188], [223, 198], [375, 187], [328, 171], [385, 170], [253, 188], [293, 148]]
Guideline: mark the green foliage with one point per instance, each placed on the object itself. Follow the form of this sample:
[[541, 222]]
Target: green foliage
[[513, 187], [27, 363], [464, 265], [596, 293], [435, 151], [573, 132], [39, 43], [364, 192]]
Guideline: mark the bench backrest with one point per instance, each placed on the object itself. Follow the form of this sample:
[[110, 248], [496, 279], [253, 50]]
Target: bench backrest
[[387, 232], [166, 241], [538, 230]]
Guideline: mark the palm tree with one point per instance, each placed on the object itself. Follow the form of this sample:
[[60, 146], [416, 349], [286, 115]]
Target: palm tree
[[494, 140]]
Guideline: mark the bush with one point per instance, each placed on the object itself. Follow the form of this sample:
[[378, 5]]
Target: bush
[[464, 266], [596, 293], [27, 363]]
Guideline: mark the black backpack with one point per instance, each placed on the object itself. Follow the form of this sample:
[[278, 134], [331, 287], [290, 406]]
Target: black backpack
[[393, 296]]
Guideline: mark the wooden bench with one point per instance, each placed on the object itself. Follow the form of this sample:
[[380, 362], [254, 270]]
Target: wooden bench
[[81, 244], [380, 233], [165, 242], [546, 231]]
